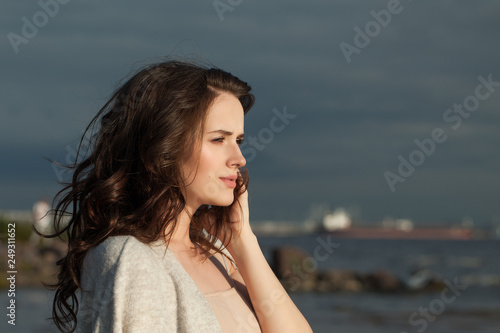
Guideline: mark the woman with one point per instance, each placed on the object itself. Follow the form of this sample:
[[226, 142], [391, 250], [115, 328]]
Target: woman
[[159, 236]]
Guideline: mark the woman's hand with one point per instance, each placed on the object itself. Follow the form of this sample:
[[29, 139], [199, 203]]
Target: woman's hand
[[239, 217], [275, 310], [240, 223]]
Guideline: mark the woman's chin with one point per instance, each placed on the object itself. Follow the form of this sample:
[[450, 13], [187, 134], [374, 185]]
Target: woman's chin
[[223, 202]]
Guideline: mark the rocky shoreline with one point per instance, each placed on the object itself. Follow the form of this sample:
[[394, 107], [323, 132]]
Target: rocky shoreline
[[297, 272], [35, 264]]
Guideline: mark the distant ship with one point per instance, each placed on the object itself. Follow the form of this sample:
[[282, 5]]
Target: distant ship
[[339, 224], [418, 233]]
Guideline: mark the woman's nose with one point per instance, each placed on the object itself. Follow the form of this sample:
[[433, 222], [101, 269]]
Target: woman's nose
[[237, 158]]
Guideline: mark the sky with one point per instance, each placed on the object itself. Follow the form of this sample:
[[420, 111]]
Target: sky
[[387, 108]]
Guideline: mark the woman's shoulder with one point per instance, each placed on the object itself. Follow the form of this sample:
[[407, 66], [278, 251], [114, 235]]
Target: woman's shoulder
[[125, 251], [117, 245]]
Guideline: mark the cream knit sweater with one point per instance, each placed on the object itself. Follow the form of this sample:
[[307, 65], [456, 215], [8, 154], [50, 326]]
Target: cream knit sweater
[[133, 287]]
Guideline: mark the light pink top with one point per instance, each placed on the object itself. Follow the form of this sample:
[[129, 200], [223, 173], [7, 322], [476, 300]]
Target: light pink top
[[233, 312]]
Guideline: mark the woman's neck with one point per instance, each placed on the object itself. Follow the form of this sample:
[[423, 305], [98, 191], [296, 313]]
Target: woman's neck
[[179, 238]]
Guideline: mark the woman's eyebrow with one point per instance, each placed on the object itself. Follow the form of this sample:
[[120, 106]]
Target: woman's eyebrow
[[225, 132]]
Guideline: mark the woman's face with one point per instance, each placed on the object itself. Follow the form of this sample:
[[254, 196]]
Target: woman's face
[[211, 178]]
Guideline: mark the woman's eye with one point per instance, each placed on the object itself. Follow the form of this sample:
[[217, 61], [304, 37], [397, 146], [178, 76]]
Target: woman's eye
[[221, 139], [239, 141]]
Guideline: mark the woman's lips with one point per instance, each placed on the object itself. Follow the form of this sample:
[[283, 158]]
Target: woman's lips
[[229, 181]]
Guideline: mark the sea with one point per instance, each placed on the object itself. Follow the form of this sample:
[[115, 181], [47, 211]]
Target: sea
[[473, 266]]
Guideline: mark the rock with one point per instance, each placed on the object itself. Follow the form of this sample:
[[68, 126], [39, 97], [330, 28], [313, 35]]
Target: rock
[[425, 280], [353, 286], [382, 281], [337, 280], [298, 271], [435, 284], [294, 268], [35, 265]]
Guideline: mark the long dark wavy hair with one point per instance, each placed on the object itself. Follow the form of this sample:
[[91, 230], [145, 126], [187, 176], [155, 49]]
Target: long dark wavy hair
[[129, 181]]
